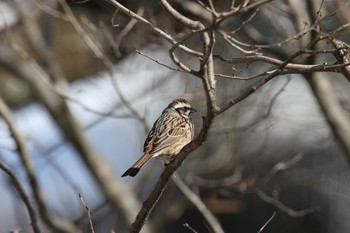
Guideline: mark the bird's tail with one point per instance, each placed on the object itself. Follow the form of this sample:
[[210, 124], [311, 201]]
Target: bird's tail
[[132, 171]]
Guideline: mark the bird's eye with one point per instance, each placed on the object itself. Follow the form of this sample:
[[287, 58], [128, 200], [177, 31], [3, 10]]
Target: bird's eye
[[181, 110]]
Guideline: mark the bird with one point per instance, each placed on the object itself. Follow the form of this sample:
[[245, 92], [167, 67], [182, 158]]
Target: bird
[[170, 133]]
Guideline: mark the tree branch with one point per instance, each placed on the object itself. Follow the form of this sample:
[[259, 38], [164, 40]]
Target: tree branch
[[56, 223], [208, 80], [324, 92], [20, 189], [119, 197], [283, 207], [152, 27], [198, 203]]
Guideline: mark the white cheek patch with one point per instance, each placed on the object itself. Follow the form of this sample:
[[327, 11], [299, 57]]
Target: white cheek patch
[[181, 105]]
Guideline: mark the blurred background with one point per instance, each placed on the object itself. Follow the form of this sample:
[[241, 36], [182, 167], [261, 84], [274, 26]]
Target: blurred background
[[81, 78]]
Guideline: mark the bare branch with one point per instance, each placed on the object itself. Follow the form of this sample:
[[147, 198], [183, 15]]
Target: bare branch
[[269, 77], [88, 212], [95, 48], [181, 18], [217, 183], [119, 197], [174, 58], [293, 67], [267, 222], [280, 166], [197, 202], [322, 88], [125, 31], [21, 192], [251, 17], [283, 207], [342, 56], [333, 110], [53, 221], [160, 63], [189, 227], [234, 43], [194, 25], [152, 27]]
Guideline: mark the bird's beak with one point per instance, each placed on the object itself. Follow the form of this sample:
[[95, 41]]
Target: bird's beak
[[193, 110]]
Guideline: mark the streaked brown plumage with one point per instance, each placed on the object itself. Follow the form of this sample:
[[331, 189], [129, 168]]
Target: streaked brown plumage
[[169, 134]]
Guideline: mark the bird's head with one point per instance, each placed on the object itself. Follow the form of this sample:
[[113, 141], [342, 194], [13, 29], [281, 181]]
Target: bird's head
[[183, 107]]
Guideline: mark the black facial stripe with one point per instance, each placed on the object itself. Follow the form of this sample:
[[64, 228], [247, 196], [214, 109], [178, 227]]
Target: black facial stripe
[[180, 110]]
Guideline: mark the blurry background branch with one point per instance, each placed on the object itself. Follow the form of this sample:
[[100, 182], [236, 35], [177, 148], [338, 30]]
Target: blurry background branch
[[323, 89], [212, 221], [32, 73], [55, 222], [20, 189]]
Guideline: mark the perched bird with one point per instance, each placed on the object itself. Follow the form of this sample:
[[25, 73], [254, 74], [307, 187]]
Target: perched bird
[[169, 134]]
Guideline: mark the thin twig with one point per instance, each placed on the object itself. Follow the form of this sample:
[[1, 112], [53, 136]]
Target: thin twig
[[189, 227], [51, 220], [233, 43], [174, 58], [342, 56], [88, 212], [268, 78], [324, 92], [289, 66], [229, 181], [267, 222], [196, 25], [126, 30], [251, 17], [119, 197], [158, 62], [280, 166], [198, 203], [96, 49], [283, 207], [22, 193], [152, 27]]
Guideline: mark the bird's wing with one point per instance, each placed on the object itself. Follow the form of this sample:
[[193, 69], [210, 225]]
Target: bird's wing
[[148, 145], [169, 132]]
